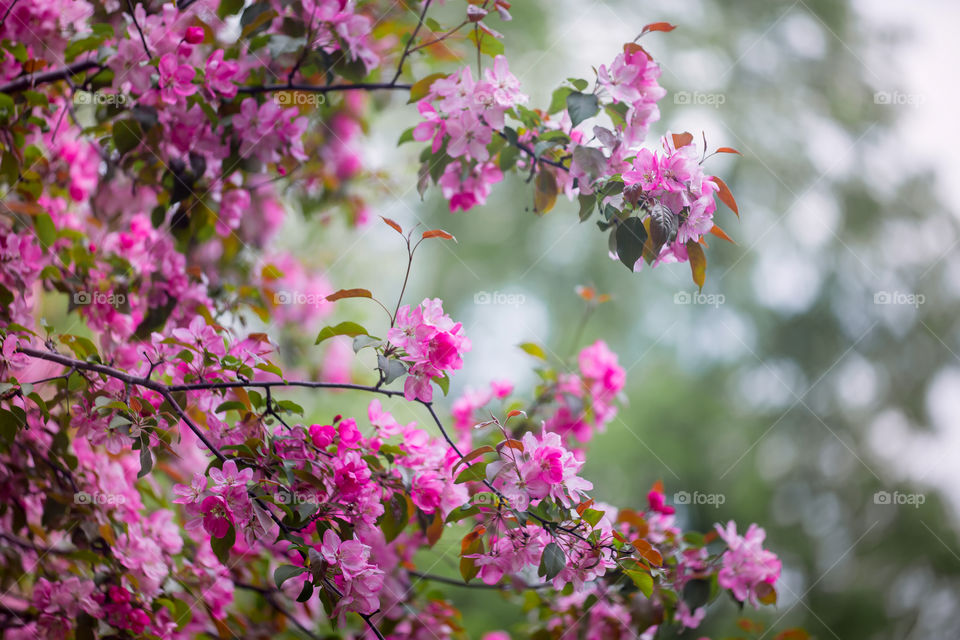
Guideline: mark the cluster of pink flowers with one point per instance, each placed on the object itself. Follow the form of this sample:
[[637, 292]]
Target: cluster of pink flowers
[[267, 131], [432, 344], [224, 505], [632, 79], [585, 402], [465, 114], [543, 469], [675, 179], [747, 566], [60, 603], [357, 579]]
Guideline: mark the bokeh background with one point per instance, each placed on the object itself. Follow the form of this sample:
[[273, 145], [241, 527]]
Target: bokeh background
[[823, 366]]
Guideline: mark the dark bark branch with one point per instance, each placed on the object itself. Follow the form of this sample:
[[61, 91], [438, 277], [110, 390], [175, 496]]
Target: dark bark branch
[[33, 79], [359, 86]]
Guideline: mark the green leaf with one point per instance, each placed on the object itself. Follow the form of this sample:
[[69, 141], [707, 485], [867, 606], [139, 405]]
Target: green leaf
[[286, 571], [630, 237], [406, 136], [421, 88], [642, 579], [592, 516], [558, 101], [351, 329], [443, 382], [487, 44], [534, 350], [552, 561], [473, 473], [146, 460], [545, 191], [395, 517], [126, 135], [222, 546], [587, 205], [391, 368], [582, 106], [45, 229], [364, 341]]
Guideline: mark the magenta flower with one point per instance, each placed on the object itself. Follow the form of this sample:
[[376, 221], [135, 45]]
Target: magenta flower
[[176, 80], [216, 517]]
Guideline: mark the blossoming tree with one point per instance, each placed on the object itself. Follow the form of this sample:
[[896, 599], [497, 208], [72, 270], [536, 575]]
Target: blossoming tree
[[157, 482]]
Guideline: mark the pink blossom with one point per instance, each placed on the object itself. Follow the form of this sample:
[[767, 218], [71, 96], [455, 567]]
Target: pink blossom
[[322, 435], [747, 566], [176, 80], [427, 491], [216, 517]]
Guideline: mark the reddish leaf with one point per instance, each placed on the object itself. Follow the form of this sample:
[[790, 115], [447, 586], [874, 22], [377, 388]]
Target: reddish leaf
[[698, 262], [438, 233], [510, 444], [515, 412], [657, 486], [646, 551], [633, 47], [682, 139], [476, 453], [658, 26], [720, 233], [728, 150], [393, 224], [583, 506], [725, 196], [349, 293]]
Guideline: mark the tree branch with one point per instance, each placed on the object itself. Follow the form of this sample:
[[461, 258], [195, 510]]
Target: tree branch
[[33, 79], [359, 86]]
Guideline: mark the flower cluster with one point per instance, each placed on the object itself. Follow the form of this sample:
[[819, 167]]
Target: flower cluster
[[584, 402], [356, 578], [544, 468], [749, 570], [461, 115], [432, 344]]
